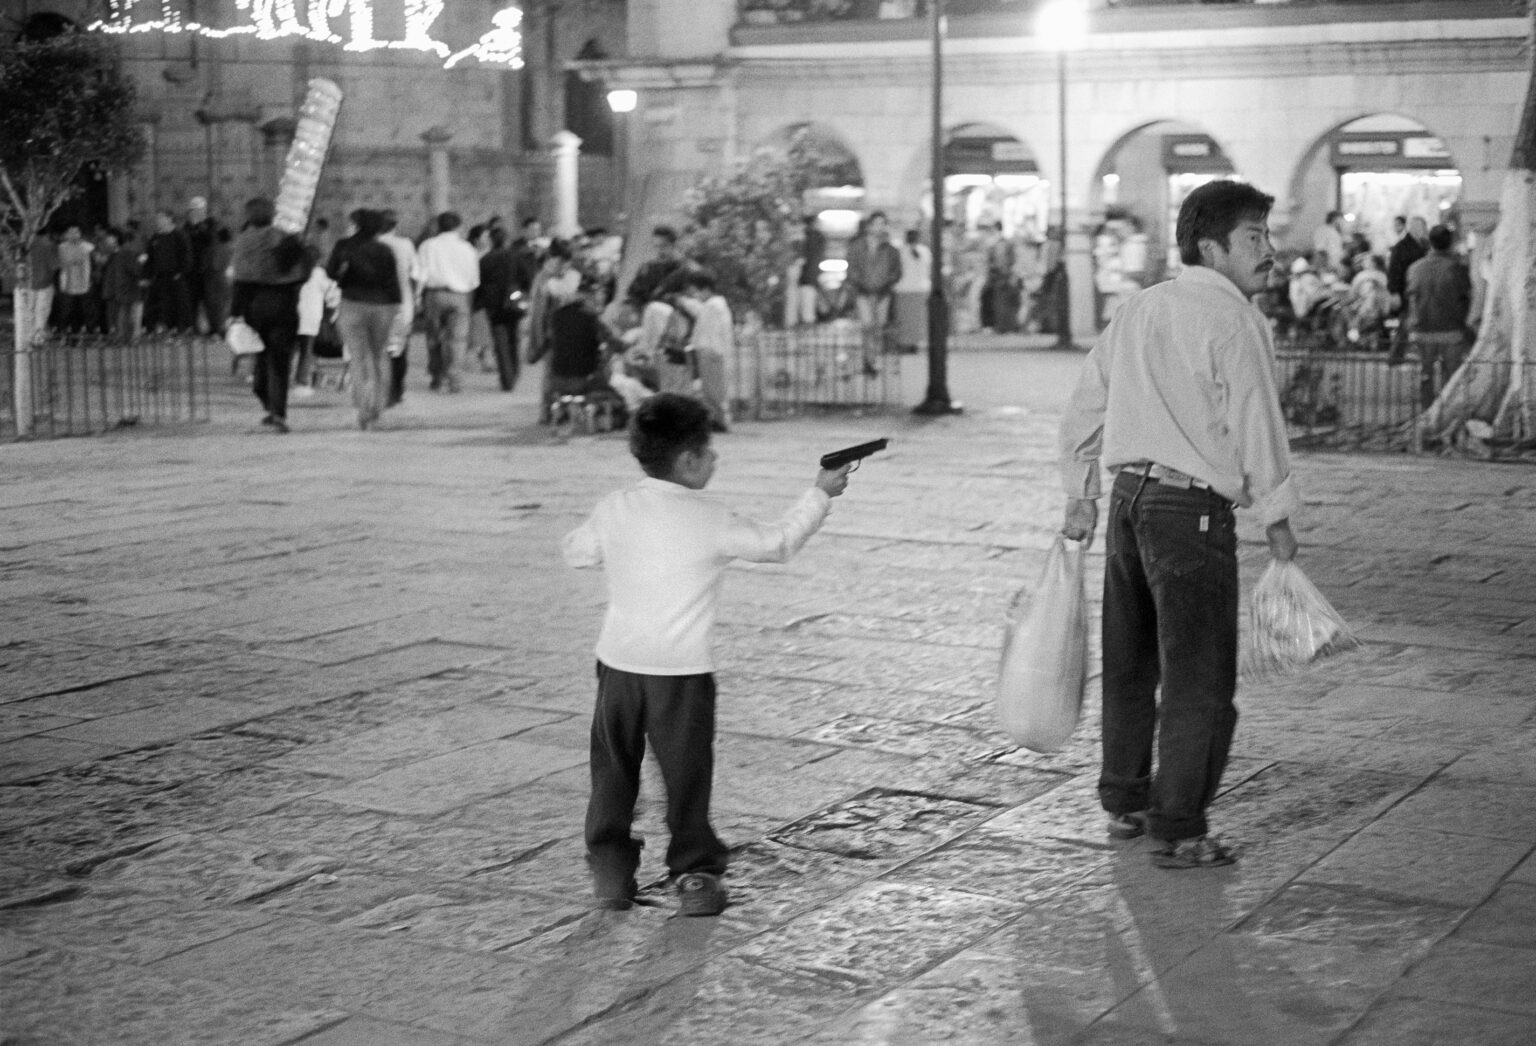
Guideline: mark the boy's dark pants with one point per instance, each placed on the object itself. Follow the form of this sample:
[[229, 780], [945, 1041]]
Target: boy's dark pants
[[1170, 619], [677, 715]]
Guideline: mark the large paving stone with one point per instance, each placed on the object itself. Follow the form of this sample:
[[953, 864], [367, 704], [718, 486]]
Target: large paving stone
[[877, 935], [442, 782], [1457, 870], [1322, 916], [1508, 918], [1434, 1022], [1263, 992], [1475, 974]]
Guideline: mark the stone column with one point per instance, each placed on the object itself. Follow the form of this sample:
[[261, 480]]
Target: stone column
[[566, 150], [1079, 247], [439, 184]]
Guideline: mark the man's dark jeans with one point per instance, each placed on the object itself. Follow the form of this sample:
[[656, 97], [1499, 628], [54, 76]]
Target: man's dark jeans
[[677, 715], [1170, 618]]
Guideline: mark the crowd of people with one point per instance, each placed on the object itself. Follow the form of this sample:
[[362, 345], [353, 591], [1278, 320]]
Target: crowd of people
[[122, 281], [477, 294]]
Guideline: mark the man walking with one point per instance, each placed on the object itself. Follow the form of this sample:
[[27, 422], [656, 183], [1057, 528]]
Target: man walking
[[1178, 400], [400, 332], [450, 272], [1439, 303]]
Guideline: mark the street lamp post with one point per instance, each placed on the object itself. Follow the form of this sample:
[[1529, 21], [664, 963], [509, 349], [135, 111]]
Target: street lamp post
[[1062, 24], [622, 102], [936, 400]]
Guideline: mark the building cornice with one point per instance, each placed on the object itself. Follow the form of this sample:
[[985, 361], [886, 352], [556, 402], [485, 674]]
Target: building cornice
[[1405, 58]]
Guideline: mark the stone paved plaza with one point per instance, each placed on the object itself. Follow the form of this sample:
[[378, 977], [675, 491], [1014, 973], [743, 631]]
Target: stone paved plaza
[[294, 736]]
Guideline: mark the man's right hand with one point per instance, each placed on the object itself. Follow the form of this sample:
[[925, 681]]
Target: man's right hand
[[1282, 543], [1082, 517]]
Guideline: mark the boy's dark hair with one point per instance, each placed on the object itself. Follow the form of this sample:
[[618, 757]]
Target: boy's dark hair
[[449, 221], [1213, 210], [663, 427], [391, 219], [1441, 238]]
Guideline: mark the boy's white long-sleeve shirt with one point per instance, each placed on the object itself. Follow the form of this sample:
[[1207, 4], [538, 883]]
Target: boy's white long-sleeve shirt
[[664, 548]]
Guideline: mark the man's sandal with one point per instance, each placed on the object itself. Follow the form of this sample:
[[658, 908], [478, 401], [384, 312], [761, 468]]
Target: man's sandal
[[1200, 852], [1127, 826]]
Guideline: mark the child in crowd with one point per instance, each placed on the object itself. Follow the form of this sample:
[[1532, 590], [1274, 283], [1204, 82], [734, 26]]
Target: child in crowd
[[664, 546], [318, 299]]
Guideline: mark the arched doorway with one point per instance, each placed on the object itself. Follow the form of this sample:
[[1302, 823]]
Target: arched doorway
[[1374, 169], [997, 207], [1139, 187]]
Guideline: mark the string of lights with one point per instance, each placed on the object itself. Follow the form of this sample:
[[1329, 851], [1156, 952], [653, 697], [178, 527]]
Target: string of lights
[[321, 21]]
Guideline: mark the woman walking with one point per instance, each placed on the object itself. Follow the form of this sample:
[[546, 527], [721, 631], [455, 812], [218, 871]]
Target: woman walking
[[269, 269], [365, 270]]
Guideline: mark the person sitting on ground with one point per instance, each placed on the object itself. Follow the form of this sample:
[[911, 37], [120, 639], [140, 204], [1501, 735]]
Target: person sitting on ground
[[664, 546]]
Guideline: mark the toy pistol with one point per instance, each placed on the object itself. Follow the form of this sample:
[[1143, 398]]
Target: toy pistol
[[838, 458]]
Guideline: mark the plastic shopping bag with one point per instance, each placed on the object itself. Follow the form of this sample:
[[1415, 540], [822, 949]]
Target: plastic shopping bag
[[242, 339], [1045, 657], [1291, 624]]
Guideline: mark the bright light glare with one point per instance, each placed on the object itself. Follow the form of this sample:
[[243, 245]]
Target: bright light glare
[[623, 101], [839, 222], [1062, 24]]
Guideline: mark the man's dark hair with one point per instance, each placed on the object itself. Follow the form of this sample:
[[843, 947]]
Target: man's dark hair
[[665, 232], [877, 214], [1441, 238], [1331, 216], [391, 219], [498, 238], [449, 221], [1213, 210], [665, 426], [369, 222], [530, 221], [559, 248], [1400, 222]]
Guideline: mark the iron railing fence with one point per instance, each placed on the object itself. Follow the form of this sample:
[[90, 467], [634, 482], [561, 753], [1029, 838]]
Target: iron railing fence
[[1371, 401], [86, 384], [777, 373]]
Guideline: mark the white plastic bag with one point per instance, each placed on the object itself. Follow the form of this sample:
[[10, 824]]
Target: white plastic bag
[[1291, 624], [1045, 657], [243, 339]]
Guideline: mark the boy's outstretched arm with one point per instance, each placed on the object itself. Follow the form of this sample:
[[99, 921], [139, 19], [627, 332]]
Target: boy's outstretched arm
[[776, 542]]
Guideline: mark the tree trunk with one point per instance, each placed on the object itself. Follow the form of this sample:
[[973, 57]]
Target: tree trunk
[[1497, 384], [24, 298]]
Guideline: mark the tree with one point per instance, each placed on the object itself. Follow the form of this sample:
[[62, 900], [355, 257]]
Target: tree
[[64, 105], [741, 223], [1493, 395]]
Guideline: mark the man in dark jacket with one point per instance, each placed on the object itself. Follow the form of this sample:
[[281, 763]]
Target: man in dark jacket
[[498, 280], [168, 269], [1409, 248], [1439, 299], [655, 277]]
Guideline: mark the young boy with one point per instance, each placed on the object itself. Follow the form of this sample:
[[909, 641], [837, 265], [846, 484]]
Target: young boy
[[664, 546]]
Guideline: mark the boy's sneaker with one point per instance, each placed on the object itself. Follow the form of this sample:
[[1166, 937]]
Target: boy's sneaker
[[1127, 826], [700, 893]]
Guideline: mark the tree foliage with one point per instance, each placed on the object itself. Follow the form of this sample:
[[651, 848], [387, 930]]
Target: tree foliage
[[741, 225], [64, 105]]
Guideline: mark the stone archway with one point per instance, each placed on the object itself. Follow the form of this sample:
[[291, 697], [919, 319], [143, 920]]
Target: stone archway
[[1373, 168]]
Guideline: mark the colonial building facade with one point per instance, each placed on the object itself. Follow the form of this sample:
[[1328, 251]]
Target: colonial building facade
[[434, 113], [1372, 107]]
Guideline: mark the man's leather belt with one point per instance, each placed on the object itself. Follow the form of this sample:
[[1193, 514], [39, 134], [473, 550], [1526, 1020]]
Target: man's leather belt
[[1164, 475]]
